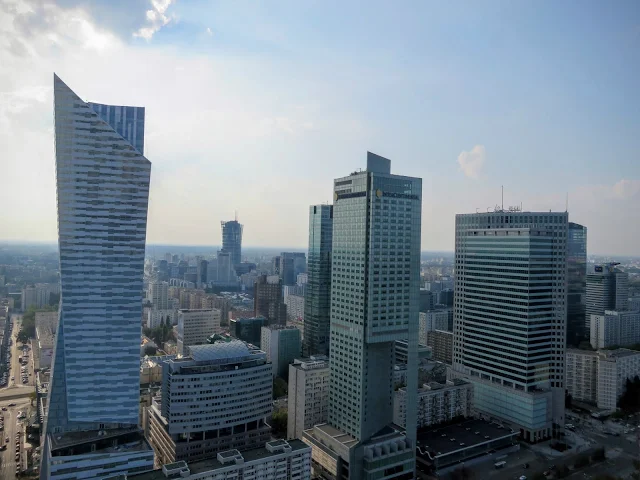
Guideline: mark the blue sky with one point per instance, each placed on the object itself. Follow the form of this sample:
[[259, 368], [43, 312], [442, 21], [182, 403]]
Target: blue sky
[[257, 106]]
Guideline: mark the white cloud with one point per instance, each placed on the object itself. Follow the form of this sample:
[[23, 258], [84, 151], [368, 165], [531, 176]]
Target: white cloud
[[156, 19], [626, 188], [472, 162]]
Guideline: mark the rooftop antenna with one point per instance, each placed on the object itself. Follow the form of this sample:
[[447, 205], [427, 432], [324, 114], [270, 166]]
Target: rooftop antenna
[[502, 205], [236, 215], [566, 208]]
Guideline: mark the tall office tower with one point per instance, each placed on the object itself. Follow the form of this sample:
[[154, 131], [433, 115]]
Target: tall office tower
[[607, 289], [318, 287], [510, 315], [291, 265], [576, 284], [158, 294], [232, 241], [276, 265], [102, 191], [203, 267], [375, 288], [217, 398], [195, 327], [268, 300]]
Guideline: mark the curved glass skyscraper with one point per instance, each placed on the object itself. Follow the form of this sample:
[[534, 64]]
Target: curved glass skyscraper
[[103, 191]]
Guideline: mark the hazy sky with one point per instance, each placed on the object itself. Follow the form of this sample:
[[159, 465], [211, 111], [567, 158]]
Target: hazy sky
[[257, 106]]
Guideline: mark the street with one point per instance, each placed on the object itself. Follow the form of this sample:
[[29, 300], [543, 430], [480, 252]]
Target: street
[[11, 428]]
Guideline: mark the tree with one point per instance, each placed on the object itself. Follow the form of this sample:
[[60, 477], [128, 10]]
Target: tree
[[279, 421], [150, 350], [22, 336], [280, 388], [630, 400]]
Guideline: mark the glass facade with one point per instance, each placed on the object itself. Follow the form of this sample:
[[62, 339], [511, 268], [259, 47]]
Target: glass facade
[[232, 241], [576, 284], [375, 288], [318, 291], [510, 314], [102, 192]]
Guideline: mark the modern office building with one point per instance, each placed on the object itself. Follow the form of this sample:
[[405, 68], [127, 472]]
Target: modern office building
[[247, 329], [318, 287], [441, 344], [196, 326], [620, 329], [102, 192], [289, 265], [510, 315], [308, 395], [437, 403], [375, 288], [283, 345], [269, 301], [232, 241], [607, 289], [581, 372], [427, 300], [576, 284], [276, 460], [158, 295], [216, 399], [202, 272]]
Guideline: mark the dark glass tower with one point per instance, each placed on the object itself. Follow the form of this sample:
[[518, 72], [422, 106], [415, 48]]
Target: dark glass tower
[[317, 301], [576, 284], [232, 240]]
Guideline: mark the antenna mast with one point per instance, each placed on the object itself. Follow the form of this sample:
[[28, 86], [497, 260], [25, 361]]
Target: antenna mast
[[502, 206]]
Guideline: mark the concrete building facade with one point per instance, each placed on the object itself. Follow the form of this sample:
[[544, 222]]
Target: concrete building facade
[[437, 403], [308, 395], [216, 399], [581, 372], [620, 329], [196, 326]]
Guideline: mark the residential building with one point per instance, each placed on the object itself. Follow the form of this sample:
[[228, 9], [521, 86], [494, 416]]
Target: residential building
[[102, 194], [158, 295], [196, 326], [318, 287], [247, 329], [441, 344], [155, 318], [225, 272], [193, 420], [577, 330], [437, 403], [282, 345], [620, 329], [276, 460], [47, 319], [607, 289], [375, 287], [614, 368], [308, 395], [268, 300], [510, 316], [232, 240], [38, 295], [581, 373], [45, 336], [634, 304], [295, 307]]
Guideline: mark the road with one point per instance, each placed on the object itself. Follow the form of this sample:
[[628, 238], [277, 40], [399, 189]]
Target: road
[[11, 427], [15, 389]]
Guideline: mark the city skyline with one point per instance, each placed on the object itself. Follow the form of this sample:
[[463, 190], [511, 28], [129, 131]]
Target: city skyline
[[497, 105]]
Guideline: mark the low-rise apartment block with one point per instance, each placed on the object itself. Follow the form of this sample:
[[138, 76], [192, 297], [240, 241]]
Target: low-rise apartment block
[[308, 395]]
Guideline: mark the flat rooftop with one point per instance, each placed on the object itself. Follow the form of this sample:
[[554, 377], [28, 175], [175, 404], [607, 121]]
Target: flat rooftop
[[77, 438], [472, 432], [213, 463]]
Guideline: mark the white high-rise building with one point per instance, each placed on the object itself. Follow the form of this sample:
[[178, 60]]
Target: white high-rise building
[[308, 396], [102, 181], [196, 326], [510, 316], [581, 372], [375, 289], [620, 329], [158, 295], [614, 368]]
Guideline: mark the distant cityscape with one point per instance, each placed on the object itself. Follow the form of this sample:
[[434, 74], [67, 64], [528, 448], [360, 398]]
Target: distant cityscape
[[358, 357]]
